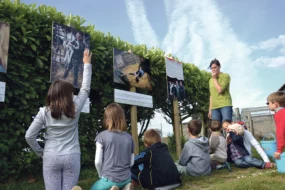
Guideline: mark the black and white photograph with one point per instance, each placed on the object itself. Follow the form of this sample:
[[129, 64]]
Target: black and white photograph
[[175, 89], [131, 70], [68, 45], [4, 45], [175, 80]]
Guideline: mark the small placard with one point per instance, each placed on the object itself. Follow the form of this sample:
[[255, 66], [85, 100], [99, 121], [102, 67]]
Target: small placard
[[132, 98], [2, 91]]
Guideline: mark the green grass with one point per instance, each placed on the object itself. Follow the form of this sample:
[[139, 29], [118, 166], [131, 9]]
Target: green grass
[[250, 178], [238, 179]]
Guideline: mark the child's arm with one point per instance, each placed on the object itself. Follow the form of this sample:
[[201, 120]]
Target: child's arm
[[185, 155], [143, 157], [132, 159], [99, 158], [280, 134], [250, 138], [214, 143], [86, 82], [33, 131]]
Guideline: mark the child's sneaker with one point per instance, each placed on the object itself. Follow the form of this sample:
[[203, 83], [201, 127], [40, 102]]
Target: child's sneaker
[[114, 187], [129, 186], [218, 167], [227, 166], [269, 165]]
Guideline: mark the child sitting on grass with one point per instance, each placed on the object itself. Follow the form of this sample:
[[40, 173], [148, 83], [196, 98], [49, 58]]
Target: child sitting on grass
[[248, 141], [195, 159], [218, 147], [154, 166], [237, 151]]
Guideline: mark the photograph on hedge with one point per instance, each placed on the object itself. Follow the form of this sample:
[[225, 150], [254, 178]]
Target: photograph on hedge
[[4, 45], [131, 70], [68, 45], [175, 80]]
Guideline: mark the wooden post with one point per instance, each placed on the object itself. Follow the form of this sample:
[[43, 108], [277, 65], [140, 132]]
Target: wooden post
[[134, 125], [177, 126], [250, 123], [237, 114]]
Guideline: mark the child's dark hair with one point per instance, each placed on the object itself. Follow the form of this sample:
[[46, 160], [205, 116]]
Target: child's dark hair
[[278, 97], [216, 126], [195, 127], [60, 99], [216, 62]]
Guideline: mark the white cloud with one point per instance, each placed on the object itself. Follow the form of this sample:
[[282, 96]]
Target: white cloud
[[274, 62], [143, 32], [209, 35], [270, 44], [199, 32]]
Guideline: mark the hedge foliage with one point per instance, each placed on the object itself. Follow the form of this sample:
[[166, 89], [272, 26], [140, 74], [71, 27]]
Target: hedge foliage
[[27, 82]]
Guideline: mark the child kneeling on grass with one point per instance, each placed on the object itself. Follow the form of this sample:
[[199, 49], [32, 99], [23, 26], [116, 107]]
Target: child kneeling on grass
[[237, 151], [195, 159], [114, 155], [154, 166]]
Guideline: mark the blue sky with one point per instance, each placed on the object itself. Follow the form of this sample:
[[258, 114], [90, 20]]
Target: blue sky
[[248, 37]]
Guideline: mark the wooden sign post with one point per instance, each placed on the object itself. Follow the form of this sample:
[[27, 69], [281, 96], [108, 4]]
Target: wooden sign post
[[177, 126], [134, 125]]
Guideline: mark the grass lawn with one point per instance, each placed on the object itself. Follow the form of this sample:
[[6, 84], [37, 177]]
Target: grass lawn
[[238, 179], [242, 179]]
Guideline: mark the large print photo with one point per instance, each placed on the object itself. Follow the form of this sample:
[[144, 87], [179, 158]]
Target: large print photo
[[68, 45], [4, 45], [131, 70]]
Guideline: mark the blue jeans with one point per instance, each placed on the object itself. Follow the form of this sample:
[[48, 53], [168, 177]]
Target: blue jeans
[[222, 114], [249, 161]]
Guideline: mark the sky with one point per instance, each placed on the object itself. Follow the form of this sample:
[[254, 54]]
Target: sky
[[247, 37]]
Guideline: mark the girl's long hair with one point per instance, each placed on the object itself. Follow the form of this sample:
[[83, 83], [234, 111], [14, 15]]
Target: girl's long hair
[[114, 118], [60, 99]]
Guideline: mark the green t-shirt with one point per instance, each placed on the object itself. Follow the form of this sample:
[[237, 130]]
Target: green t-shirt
[[223, 99]]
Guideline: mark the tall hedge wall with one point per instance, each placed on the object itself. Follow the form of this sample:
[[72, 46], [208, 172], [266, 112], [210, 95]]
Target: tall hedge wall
[[27, 82]]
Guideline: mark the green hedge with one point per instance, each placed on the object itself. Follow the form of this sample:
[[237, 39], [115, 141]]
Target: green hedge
[[27, 82]]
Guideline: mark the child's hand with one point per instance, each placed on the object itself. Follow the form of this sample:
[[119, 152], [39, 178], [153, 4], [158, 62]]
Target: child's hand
[[277, 155], [87, 56]]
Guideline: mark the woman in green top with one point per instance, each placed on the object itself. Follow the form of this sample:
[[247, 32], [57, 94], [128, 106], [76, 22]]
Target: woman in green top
[[220, 98]]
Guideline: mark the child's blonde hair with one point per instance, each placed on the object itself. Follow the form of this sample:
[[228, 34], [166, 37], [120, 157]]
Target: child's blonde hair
[[278, 97], [114, 118], [151, 136]]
